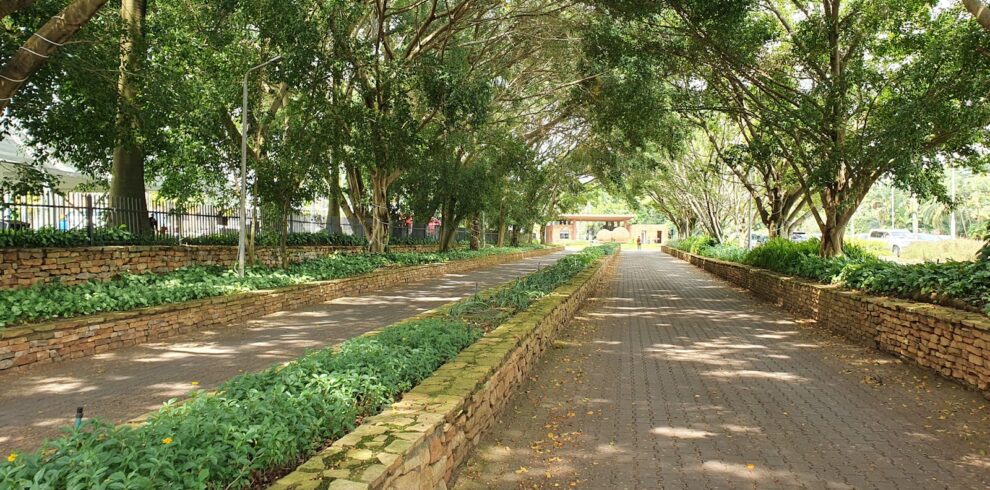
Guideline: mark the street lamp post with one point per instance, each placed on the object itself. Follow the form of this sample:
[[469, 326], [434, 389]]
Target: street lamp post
[[242, 238]]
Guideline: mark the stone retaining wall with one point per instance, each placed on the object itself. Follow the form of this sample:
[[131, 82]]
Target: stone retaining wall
[[70, 338], [421, 440], [22, 267], [954, 343]]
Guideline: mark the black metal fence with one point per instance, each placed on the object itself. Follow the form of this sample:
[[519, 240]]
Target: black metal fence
[[88, 212]]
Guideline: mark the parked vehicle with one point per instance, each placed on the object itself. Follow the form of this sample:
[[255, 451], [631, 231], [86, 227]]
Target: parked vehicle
[[799, 236], [896, 240]]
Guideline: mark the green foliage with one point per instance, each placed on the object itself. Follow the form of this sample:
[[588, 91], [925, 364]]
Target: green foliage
[[693, 244], [253, 424], [52, 237], [261, 422], [295, 239], [47, 301], [707, 246], [958, 284]]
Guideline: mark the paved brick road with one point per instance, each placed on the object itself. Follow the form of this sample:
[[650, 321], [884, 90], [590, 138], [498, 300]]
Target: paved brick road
[[123, 384], [673, 379]]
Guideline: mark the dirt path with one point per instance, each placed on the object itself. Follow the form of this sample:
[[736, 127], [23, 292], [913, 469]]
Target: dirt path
[[673, 379], [123, 384]]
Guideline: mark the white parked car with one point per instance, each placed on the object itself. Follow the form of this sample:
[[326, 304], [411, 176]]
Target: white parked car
[[897, 239]]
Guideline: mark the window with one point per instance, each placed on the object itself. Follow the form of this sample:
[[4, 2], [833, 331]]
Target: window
[[565, 235]]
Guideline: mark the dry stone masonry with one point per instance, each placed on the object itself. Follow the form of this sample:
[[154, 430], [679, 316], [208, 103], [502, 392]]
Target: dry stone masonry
[[22, 267], [71, 338], [954, 343], [420, 441]]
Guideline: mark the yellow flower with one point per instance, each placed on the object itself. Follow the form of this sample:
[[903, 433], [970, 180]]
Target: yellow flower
[[12, 457], [167, 440]]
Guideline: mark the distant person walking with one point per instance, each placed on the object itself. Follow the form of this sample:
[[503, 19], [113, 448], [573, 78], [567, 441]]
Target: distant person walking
[[639, 243]]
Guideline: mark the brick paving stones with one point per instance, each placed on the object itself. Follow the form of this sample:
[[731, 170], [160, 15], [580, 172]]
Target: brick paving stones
[[128, 382], [674, 379]]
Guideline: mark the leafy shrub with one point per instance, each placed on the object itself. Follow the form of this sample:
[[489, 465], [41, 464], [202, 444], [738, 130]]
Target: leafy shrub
[[957, 284], [693, 244], [258, 423], [947, 283], [707, 246], [54, 300], [52, 237], [272, 239], [411, 240]]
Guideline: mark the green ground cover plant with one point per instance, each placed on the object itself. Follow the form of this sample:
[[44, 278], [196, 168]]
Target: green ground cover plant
[[128, 291], [55, 238], [257, 425], [52, 238], [959, 284]]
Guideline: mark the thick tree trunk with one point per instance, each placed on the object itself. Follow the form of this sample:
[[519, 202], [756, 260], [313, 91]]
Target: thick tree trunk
[[834, 231], [832, 237], [39, 47], [502, 230], [379, 232], [543, 233], [514, 241], [980, 11], [475, 242], [448, 225], [127, 170]]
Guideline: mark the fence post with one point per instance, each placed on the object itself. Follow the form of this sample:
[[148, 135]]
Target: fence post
[[89, 218]]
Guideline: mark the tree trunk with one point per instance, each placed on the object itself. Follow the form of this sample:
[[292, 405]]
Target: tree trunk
[[832, 237], [379, 232], [475, 243], [502, 230], [514, 241], [333, 205], [251, 251], [127, 169], [834, 231], [39, 47], [980, 11], [283, 236], [543, 233]]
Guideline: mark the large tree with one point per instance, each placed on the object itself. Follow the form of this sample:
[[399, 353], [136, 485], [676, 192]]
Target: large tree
[[851, 91]]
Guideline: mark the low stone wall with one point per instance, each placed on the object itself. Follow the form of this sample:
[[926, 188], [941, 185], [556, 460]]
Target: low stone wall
[[419, 441], [22, 267], [70, 338], [954, 343]]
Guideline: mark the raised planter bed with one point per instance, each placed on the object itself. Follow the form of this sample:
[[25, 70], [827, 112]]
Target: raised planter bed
[[954, 343], [25, 346], [419, 441], [22, 267]]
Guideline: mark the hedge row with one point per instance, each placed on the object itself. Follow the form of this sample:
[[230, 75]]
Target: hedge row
[[46, 301], [963, 285], [55, 238], [257, 425]]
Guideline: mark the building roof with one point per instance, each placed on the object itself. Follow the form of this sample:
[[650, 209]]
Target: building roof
[[598, 217], [14, 156]]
